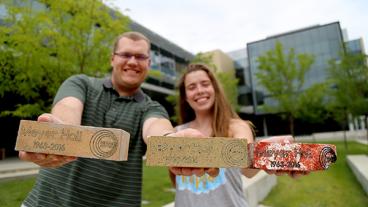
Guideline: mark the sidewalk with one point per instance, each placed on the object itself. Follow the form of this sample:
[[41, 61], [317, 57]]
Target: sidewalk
[[13, 168], [359, 169], [362, 140]]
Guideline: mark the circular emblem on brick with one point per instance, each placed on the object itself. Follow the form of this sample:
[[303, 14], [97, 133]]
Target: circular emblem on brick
[[234, 153], [103, 144], [327, 157]]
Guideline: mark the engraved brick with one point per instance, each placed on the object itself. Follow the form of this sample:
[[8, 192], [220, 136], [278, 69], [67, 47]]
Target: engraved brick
[[197, 152], [232, 152], [71, 140], [292, 157]]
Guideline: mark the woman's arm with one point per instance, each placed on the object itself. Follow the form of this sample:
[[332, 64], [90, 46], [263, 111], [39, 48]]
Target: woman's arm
[[243, 130]]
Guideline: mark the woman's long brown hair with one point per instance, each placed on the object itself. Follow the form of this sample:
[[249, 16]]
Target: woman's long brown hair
[[222, 110]]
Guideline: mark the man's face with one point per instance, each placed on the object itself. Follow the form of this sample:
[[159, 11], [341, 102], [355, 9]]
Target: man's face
[[130, 64]]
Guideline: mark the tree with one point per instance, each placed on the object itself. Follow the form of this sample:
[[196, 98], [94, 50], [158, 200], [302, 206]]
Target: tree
[[312, 103], [230, 85], [205, 58], [44, 42], [282, 76], [349, 94]]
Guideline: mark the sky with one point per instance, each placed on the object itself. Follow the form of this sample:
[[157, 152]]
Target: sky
[[205, 25]]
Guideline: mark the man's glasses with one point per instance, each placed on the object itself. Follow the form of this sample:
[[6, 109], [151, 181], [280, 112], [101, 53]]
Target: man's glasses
[[128, 56]]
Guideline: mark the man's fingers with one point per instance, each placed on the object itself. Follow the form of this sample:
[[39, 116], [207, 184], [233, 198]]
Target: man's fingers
[[44, 118], [53, 161], [30, 156], [45, 160], [47, 117]]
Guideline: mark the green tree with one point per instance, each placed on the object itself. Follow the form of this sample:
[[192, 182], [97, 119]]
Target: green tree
[[205, 58], [230, 85], [349, 95], [44, 42], [282, 76], [312, 103]]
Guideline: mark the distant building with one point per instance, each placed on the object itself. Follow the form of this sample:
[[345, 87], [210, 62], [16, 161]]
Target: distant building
[[355, 46], [166, 57], [241, 65], [324, 42], [221, 60]]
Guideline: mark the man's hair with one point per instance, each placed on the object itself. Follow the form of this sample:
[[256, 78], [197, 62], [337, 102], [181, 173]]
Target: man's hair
[[221, 110], [136, 36]]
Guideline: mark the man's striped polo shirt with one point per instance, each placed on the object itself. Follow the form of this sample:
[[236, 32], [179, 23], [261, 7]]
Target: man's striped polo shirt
[[92, 182]]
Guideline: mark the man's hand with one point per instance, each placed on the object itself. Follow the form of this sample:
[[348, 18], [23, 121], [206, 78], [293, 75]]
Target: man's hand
[[46, 160], [189, 171], [287, 139]]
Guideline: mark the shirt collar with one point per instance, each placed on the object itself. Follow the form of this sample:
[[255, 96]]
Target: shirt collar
[[138, 96]]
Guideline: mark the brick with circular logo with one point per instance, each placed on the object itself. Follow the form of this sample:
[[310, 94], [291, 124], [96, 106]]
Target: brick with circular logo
[[103, 144]]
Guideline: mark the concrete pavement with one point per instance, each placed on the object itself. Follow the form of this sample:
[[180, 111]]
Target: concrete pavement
[[359, 165], [13, 168]]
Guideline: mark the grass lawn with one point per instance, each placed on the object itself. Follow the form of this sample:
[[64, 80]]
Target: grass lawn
[[335, 187], [157, 187], [12, 193]]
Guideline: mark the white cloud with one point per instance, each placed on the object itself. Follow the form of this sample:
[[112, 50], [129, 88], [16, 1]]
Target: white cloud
[[229, 24]]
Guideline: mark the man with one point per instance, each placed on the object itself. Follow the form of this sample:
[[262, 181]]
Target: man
[[114, 102]]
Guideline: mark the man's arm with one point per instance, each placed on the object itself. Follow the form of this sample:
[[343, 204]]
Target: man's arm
[[156, 127], [66, 111], [69, 110]]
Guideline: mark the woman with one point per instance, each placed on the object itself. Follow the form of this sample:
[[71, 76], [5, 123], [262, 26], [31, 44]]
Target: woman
[[203, 106]]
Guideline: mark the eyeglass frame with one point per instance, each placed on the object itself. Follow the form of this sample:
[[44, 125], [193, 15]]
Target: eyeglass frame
[[128, 56]]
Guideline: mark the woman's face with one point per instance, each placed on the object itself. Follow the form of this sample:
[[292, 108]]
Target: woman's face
[[199, 90]]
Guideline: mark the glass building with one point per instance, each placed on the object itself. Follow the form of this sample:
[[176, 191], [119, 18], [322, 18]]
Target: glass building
[[166, 57], [355, 46], [240, 59], [324, 42]]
